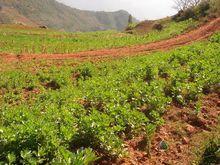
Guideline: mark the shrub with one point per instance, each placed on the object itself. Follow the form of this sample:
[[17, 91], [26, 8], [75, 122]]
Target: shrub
[[158, 26], [185, 15], [202, 9], [84, 72]]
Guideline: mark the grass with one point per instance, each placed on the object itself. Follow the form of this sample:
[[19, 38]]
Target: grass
[[19, 40], [75, 114]]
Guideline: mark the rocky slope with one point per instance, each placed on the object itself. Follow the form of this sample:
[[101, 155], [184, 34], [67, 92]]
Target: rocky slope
[[58, 16]]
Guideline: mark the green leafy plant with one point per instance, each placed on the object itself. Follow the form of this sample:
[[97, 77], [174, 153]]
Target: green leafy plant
[[93, 108]]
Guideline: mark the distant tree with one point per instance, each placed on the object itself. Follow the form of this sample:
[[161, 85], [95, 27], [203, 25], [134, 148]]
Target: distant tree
[[185, 4], [130, 19], [43, 27], [194, 9]]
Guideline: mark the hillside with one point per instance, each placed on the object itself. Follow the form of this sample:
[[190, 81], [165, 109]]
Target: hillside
[[40, 41], [58, 16], [147, 95], [203, 12]]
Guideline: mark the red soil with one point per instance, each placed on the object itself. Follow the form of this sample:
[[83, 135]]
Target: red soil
[[201, 33], [183, 132]]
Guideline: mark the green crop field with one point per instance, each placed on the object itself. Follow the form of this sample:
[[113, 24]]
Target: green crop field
[[19, 40], [155, 100], [77, 114]]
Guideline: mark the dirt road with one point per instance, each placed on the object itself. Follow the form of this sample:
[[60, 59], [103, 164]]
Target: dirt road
[[198, 34]]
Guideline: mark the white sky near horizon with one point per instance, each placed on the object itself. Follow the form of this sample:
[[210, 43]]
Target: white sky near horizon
[[141, 9]]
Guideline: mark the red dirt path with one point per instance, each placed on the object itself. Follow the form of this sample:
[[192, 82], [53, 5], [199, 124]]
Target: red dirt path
[[201, 33]]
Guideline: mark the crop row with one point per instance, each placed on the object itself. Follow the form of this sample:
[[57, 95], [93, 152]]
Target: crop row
[[73, 115], [19, 41]]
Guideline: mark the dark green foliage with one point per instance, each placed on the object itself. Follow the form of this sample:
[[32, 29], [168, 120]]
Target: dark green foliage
[[202, 9], [151, 73], [84, 72], [196, 12], [185, 15]]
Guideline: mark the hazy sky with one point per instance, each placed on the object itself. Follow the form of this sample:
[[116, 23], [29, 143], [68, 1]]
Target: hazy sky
[[141, 9]]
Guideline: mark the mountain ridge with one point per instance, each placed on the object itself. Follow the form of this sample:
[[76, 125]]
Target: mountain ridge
[[56, 15]]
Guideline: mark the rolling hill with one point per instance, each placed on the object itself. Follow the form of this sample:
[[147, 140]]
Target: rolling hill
[[59, 16]]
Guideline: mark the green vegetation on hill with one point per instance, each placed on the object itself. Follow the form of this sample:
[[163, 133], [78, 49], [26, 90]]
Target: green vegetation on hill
[[58, 16], [18, 39], [70, 115], [202, 12], [206, 8]]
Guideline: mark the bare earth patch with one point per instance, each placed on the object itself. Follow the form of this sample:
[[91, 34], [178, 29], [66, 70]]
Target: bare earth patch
[[183, 131]]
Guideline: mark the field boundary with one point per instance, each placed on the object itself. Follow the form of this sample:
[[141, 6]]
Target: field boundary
[[198, 34]]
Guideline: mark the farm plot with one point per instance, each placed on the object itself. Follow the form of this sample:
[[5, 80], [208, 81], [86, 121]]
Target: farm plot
[[76, 115]]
